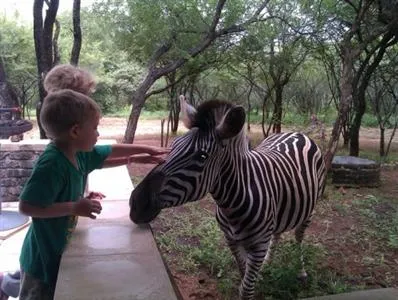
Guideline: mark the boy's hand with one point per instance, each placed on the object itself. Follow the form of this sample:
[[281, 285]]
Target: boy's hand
[[96, 196], [87, 208], [146, 159], [157, 150]]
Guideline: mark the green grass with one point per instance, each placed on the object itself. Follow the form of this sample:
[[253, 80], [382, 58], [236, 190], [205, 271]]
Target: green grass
[[279, 278], [195, 235], [380, 217]]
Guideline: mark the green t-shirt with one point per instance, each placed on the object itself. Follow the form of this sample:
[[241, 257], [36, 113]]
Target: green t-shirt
[[54, 179]]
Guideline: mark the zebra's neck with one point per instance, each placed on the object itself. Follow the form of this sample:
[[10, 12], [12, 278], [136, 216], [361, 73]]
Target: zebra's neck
[[237, 156], [238, 144]]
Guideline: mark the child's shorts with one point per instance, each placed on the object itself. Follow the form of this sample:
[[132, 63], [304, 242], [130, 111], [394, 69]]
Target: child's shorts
[[35, 289]]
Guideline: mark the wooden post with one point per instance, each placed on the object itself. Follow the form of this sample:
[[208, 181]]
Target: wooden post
[[161, 132]]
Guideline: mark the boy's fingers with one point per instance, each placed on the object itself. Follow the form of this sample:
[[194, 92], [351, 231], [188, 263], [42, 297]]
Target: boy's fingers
[[96, 210], [95, 195], [99, 194], [96, 204]]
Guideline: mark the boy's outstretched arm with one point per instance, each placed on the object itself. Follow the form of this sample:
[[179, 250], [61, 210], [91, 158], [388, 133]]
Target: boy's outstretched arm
[[126, 150], [85, 207], [138, 159]]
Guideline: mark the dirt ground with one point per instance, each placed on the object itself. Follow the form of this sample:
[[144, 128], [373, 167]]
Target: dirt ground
[[201, 286]]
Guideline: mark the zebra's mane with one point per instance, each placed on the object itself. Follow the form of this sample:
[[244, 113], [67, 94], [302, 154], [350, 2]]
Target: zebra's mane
[[210, 113]]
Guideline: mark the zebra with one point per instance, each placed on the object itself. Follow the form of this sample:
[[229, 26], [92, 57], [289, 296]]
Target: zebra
[[260, 193]]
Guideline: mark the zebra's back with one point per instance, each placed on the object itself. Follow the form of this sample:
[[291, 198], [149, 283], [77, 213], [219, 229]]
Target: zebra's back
[[298, 171]]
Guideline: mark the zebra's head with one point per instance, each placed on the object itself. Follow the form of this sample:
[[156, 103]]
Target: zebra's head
[[193, 166]]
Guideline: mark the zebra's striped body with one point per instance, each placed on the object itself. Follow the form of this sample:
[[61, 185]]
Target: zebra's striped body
[[273, 188], [260, 193]]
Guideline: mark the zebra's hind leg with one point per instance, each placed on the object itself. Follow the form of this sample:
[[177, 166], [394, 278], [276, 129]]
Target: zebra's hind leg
[[299, 234]]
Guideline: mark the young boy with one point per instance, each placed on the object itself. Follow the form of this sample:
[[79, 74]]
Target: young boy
[[53, 195]]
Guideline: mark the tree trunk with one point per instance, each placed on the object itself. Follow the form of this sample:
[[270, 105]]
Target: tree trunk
[[382, 138], [43, 37], [347, 75], [263, 118], [360, 107], [391, 137], [277, 115], [133, 119], [176, 118], [77, 34], [249, 107], [8, 97], [138, 101], [362, 82], [57, 55], [173, 103], [38, 38]]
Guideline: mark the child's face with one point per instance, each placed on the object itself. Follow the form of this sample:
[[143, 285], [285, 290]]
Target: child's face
[[87, 134]]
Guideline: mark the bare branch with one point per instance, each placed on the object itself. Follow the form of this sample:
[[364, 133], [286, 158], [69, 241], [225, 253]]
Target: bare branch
[[51, 14], [217, 16], [352, 5], [57, 56], [209, 38]]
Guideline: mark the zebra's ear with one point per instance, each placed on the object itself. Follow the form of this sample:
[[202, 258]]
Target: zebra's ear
[[232, 123], [188, 112]]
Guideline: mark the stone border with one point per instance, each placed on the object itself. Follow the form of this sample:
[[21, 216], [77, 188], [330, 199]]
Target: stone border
[[16, 164]]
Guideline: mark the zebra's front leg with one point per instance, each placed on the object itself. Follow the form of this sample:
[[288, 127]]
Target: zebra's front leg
[[271, 248], [254, 261], [240, 256]]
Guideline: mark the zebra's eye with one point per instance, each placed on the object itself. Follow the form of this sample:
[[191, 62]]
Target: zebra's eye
[[201, 155]]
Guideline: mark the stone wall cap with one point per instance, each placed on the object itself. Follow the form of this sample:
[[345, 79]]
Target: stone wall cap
[[37, 144], [354, 162], [27, 145]]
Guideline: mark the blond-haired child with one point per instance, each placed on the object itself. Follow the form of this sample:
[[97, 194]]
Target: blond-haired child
[[69, 77]]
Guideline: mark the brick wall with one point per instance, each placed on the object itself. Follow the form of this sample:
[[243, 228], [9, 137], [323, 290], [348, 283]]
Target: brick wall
[[16, 163]]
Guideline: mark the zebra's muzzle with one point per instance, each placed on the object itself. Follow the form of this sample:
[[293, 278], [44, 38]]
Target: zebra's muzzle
[[144, 203]]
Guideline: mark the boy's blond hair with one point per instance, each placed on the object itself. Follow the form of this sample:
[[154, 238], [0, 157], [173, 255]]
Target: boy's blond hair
[[63, 109], [69, 77]]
